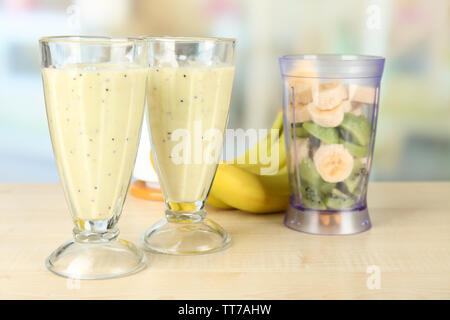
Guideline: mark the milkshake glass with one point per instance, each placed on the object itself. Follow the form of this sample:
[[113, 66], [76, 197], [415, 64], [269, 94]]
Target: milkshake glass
[[189, 92], [95, 90]]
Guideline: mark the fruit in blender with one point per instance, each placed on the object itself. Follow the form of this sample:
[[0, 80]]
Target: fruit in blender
[[333, 162], [329, 94], [327, 135]]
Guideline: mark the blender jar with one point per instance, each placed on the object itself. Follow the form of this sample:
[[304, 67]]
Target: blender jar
[[330, 106]]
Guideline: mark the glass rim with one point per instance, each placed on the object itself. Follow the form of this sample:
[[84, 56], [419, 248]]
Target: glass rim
[[189, 39], [332, 57], [91, 39], [332, 66]]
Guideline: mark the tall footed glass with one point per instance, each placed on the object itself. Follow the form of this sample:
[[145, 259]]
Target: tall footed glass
[[330, 105], [189, 92], [95, 90]]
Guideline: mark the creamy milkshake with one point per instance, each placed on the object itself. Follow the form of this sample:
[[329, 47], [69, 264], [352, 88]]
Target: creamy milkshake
[[94, 114], [195, 99], [95, 90], [188, 97]]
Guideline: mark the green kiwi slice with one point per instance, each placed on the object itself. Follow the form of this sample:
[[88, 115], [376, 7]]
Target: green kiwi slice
[[355, 149], [299, 131], [327, 135], [326, 187], [358, 127], [339, 203], [353, 181], [311, 198], [308, 172], [339, 193], [339, 200]]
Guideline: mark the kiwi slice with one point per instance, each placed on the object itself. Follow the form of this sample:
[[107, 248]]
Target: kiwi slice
[[326, 187], [300, 132], [327, 135], [308, 173], [339, 193], [311, 198], [358, 127], [339, 203], [353, 181], [339, 200], [355, 149]]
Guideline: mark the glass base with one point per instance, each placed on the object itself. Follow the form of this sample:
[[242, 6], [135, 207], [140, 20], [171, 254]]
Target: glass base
[[96, 260], [176, 238], [327, 222]]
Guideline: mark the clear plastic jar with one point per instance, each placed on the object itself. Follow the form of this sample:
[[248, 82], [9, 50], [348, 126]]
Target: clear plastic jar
[[330, 105]]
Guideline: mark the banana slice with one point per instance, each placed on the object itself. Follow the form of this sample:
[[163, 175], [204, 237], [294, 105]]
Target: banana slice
[[305, 71], [362, 94], [333, 162], [328, 95], [347, 105], [300, 92], [299, 114], [299, 151], [357, 109], [303, 78], [326, 118]]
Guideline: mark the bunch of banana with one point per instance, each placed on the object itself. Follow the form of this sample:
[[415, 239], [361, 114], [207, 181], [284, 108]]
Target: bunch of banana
[[239, 184]]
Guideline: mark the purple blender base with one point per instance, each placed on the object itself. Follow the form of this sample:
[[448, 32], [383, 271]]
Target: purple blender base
[[325, 222]]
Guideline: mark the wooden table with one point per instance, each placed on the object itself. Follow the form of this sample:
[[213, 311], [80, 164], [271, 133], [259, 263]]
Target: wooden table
[[409, 245]]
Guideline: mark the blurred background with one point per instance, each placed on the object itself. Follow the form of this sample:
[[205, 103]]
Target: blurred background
[[413, 138]]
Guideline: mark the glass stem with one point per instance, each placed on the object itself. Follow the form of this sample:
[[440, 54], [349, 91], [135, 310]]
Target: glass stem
[[185, 217], [95, 230], [185, 212]]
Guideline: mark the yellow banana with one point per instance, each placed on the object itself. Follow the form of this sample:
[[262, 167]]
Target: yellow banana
[[271, 143], [213, 201], [246, 187], [250, 192], [244, 160], [266, 169], [278, 183], [278, 123]]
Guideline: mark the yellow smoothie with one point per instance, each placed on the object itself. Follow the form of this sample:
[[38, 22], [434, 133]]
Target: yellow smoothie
[[196, 99], [95, 115]]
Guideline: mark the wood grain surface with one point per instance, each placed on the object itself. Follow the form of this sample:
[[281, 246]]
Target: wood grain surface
[[409, 244]]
